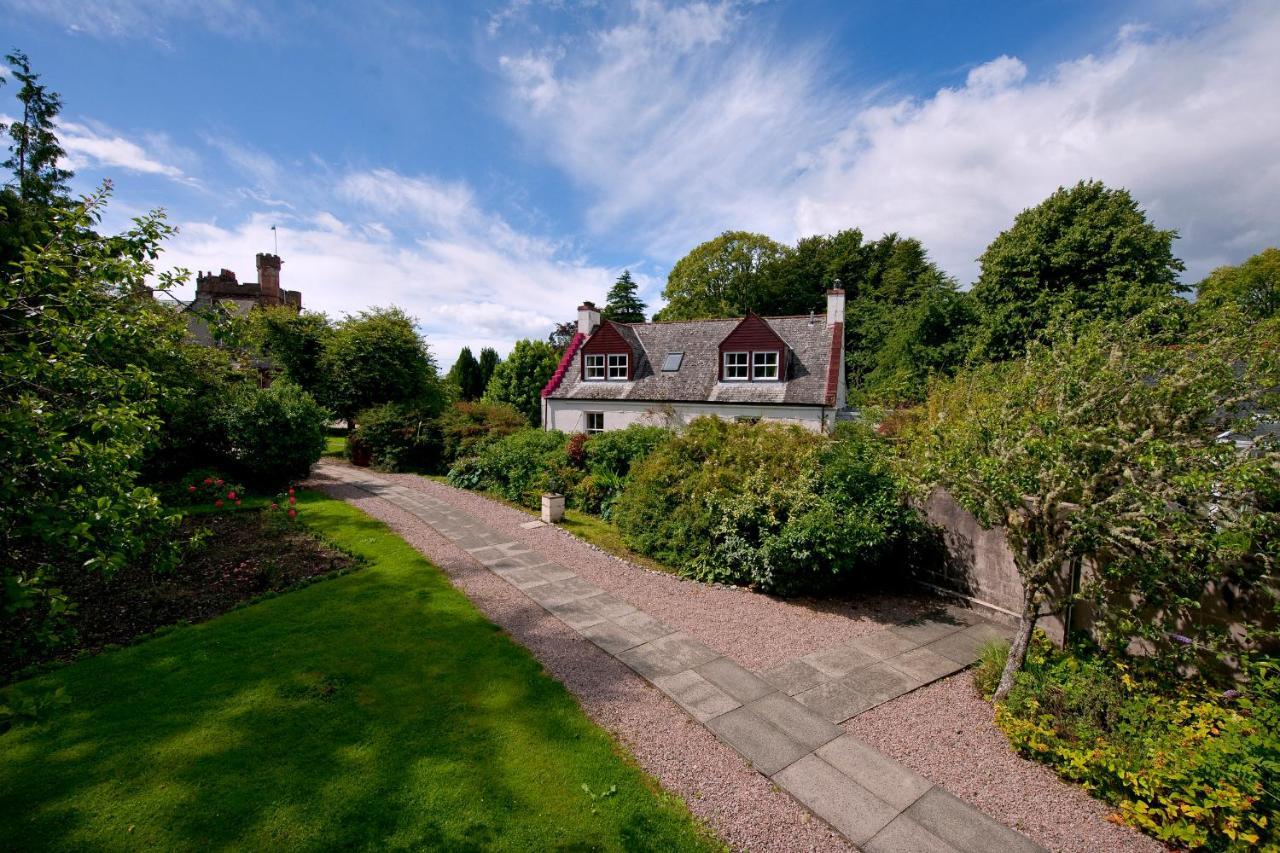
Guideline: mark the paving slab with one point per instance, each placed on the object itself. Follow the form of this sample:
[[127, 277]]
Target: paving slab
[[924, 665], [894, 783], [837, 701], [793, 676], [702, 699], [643, 625], [964, 827], [667, 655], [883, 644], [533, 525], [839, 661], [881, 681], [853, 810], [961, 647], [610, 637], [738, 681], [797, 721], [902, 835], [524, 579], [552, 593], [927, 630], [768, 749], [608, 606], [576, 615]]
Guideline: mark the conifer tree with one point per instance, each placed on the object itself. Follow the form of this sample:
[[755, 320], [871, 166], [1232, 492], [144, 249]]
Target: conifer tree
[[623, 305]]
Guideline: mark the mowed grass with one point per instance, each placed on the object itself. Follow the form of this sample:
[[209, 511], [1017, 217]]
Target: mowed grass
[[378, 710], [335, 446]]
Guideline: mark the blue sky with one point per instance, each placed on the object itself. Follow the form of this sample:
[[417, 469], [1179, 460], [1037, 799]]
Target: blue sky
[[489, 165]]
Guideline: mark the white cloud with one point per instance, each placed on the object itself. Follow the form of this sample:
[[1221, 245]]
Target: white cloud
[[684, 121], [93, 145], [141, 18], [469, 277]]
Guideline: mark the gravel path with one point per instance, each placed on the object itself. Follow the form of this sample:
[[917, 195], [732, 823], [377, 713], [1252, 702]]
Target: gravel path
[[946, 733], [758, 631], [742, 807], [943, 731]]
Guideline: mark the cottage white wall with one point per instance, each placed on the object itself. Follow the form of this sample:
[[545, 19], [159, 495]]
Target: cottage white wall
[[570, 415]]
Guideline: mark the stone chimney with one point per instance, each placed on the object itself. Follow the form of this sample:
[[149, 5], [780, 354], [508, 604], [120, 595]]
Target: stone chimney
[[588, 318], [835, 305], [269, 279]]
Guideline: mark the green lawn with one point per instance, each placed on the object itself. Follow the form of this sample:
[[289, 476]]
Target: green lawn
[[376, 710], [335, 445]]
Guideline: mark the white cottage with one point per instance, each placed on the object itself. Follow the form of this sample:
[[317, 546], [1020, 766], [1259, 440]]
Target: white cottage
[[612, 375]]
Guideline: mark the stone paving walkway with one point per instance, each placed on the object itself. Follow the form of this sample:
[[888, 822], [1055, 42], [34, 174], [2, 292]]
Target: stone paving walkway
[[782, 723]]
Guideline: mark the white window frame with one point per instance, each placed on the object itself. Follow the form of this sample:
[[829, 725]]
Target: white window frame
[[593, 367], [765, 366], [618, 367], [586, 418], [731, 369]]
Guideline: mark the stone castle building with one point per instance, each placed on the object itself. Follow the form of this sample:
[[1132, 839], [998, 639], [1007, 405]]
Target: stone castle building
[[222, 292], [265, 292]]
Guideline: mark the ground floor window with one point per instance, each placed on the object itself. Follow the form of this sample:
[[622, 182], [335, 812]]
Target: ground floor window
[[595, 422]]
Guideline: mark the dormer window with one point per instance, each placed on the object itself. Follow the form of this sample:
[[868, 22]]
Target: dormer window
[[618, 367], [764, 365], [735, 366], [593, 367]]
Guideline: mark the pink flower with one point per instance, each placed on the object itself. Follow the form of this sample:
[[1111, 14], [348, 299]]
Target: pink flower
[[208, 481], [293, 513], [231, 495], [217, 482], [275, 505], [292, 500], [237, 503], [217, 503], [291, 491], [191, 488]]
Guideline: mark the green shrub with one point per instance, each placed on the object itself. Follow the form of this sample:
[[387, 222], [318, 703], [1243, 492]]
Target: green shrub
[[398, 437], [618, 450], [776, 507], [1190, 765], [274, 434], [519, 467], [991, 660], [466, 428]]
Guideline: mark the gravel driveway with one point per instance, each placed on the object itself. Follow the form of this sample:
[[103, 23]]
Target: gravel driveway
[[943, 730]]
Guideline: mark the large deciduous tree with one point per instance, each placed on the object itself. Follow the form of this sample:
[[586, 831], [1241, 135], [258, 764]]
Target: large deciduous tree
[[1253, 286], [518, 381], [295, 341], [1087, 251], [377, 357], [724, 277], [623, 304], [1103, 445], [80, 410]]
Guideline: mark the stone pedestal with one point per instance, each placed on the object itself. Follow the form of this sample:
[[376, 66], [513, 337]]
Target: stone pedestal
[[552, 508]]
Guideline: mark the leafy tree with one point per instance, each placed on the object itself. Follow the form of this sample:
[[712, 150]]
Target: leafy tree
[[80, 409], [274, 434], [1103, 446], [296, 342], [623, 305], [35, 152], [519, 380], [921, 339], [1253, 287], [466, 376], [489, 361], [724, 277], [1087, 251], [37, 183], [377, 357], [468, 427], [562, 334]]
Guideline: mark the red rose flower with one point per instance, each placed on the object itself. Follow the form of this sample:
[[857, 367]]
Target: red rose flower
[[292, 500], [275, 506], [191, 488], [217, 482], [237, 503], [291, 491], [217, 503], [231, 495], [293, 513], [208, 480]]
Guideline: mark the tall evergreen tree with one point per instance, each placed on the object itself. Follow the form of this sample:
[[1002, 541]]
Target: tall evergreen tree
[[488, 362], [623, 305], [34, 151], [466, 376]]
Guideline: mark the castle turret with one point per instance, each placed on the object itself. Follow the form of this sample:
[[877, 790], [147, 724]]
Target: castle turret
[[269, 279]]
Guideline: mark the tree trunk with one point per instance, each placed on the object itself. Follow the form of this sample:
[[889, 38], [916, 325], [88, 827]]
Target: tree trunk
[[1018, 651]]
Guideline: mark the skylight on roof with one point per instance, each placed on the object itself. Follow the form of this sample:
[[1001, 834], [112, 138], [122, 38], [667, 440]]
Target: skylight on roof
[[672, 362]]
